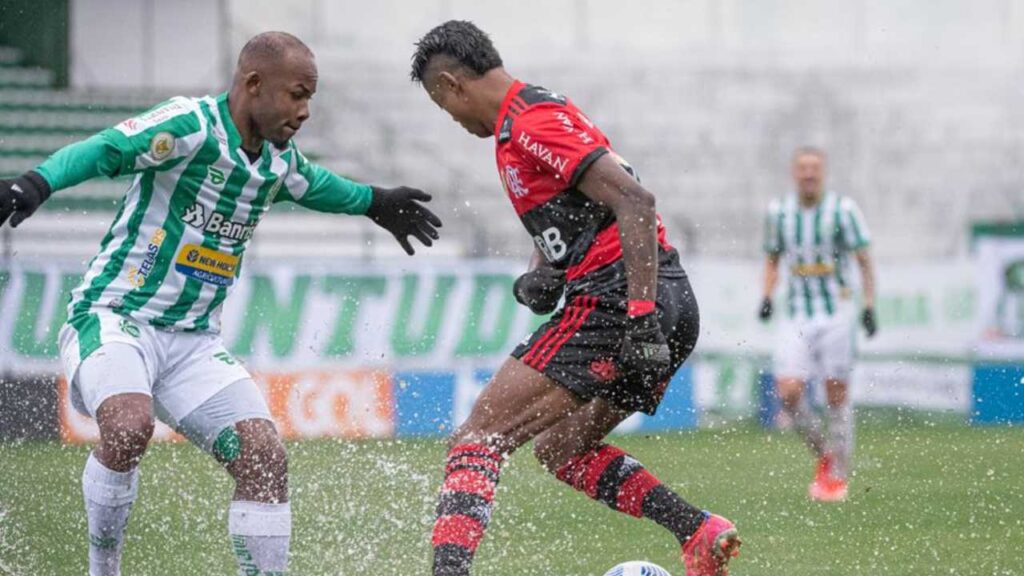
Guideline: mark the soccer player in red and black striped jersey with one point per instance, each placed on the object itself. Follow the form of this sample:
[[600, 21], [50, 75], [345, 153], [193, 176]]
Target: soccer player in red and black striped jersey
[[628, 322]]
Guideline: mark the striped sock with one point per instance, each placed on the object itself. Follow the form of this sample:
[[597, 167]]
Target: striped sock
[[464, 507], [609, 475]]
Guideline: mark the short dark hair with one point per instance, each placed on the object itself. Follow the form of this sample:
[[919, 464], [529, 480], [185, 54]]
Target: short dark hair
[[460, 40]]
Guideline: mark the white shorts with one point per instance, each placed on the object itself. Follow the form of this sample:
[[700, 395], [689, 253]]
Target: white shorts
[[179, 370], [823, 346]]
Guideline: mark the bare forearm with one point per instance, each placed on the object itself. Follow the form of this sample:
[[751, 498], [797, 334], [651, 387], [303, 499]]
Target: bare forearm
[[638, 233], [867, 278], [771, 276]]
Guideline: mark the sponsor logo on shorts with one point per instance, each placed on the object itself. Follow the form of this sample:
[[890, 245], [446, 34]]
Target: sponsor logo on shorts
[[225, 358], [130, 329], [161, 145], [207, 265], [604, 369], [137, 275]]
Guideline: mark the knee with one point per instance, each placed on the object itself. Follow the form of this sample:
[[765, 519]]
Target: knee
[[260, 466], [836, 393], [125, 431], [790, 392], [128, 438]]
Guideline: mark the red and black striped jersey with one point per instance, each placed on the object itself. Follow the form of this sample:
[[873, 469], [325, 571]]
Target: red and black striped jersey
[[544, 145]]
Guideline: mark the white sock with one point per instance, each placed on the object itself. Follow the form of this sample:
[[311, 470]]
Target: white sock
[[260, 534], [840, 433], [108, 500], [808, 425]]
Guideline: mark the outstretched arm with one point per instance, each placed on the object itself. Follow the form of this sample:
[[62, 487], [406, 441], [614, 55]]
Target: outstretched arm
[[155, 140], [397, 210]]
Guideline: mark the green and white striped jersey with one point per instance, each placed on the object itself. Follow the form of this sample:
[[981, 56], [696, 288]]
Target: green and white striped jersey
[[813, 246], [175, 248]]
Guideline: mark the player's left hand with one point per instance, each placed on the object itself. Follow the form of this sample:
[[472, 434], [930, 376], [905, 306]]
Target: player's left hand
[[398, 210], [867, 319], [20, 197], [645, 351]]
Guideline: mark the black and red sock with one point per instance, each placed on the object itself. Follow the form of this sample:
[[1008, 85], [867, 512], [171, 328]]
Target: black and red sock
[[464, 507], [609, 475]]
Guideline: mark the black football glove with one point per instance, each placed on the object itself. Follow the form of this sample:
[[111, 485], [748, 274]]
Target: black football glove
[[645, 352], [540, 289], [867, 319], [765, 313], [398, 210], [20, 197]]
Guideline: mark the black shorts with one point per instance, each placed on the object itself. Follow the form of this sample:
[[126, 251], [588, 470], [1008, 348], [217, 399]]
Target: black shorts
[[578, 347]]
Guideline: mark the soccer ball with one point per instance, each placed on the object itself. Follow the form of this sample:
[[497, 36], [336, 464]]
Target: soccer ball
[[637, 568]]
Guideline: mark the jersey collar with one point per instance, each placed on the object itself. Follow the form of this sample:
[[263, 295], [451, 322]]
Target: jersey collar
[[503, 110]]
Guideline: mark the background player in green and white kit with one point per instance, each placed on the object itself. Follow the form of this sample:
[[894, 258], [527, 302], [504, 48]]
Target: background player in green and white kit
[[142, 335], [811, 234]]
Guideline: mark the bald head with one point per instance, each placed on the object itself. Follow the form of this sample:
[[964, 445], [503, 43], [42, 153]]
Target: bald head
[[271, 48], [275, 78]]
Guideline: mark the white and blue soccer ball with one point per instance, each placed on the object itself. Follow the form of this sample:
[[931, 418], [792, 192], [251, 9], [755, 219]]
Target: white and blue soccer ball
[[637, 568]]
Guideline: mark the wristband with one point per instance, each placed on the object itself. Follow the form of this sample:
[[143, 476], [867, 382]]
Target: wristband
[[640, 308]]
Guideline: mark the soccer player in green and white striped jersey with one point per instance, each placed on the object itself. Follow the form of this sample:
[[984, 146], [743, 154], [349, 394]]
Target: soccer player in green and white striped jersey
[[811, 235], [143, 329]]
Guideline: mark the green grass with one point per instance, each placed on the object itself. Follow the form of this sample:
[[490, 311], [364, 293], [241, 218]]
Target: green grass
[[928, 498]]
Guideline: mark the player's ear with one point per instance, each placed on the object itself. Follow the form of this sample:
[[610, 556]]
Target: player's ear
[[253, 83], [448, 82]]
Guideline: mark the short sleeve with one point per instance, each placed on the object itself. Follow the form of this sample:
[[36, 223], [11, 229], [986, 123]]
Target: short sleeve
[[561, 141], [773, 239], [852, 225], [159, 137]]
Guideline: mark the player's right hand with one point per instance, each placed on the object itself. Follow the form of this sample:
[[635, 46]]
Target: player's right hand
[[765, 313], [398, 210], [645, 353], [20, 197], [540, 289]]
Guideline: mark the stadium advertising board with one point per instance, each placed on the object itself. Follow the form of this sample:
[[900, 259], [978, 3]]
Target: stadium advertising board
[[364, 349], [999, 373]]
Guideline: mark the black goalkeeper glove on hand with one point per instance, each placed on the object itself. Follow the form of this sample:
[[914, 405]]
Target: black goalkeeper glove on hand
[[867, 319], [540, 289], [20, 197], [765, 313], [398, 210], [645, 352]]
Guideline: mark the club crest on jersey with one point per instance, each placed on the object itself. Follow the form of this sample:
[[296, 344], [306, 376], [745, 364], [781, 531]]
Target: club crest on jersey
[[137, 275], [542, 152], [513, 183]]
